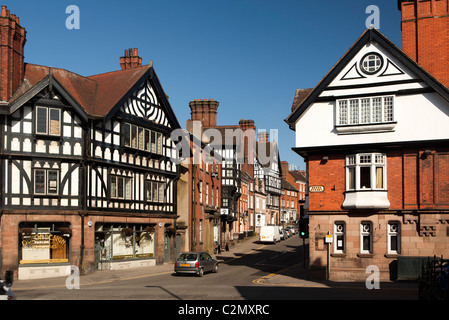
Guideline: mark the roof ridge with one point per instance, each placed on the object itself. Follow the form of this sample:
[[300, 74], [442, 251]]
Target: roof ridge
[[117, 71]]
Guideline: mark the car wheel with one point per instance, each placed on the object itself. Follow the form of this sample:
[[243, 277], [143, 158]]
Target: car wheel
[[200, 272], [215, 268]]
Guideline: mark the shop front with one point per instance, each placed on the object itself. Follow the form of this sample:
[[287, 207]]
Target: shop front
[[117, 245]]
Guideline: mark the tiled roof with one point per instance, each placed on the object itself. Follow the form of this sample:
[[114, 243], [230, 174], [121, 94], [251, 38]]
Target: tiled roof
[[96, 94]]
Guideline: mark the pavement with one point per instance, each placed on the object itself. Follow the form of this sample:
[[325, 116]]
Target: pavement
[[293, 276]]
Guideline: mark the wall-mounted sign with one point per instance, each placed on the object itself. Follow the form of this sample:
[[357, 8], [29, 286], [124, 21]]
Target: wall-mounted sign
[[316, 188], [224, 211]]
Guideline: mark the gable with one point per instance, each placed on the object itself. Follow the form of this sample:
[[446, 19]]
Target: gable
[[374, 94], [398, 68], [144, 103]]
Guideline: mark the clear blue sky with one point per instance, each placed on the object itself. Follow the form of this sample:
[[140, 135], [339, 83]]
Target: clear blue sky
[[250, 55]]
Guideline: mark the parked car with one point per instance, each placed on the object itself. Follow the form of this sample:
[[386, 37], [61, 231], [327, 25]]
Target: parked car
[[269, 234], [195, 263], [287, 233], [5, 287], [292, 229], [281, 232]]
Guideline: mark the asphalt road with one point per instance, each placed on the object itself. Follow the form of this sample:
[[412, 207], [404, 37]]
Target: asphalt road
[[236, 280]]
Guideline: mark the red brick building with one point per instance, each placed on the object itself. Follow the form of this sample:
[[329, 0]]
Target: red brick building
[[199, 200], [374, 137]]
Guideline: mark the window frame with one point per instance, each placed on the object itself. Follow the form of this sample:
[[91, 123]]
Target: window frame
[[348, 109], [340, 233], [356, 163], [141, 138], [46, 186], [48, 126], [122, 194], [363, 235], [396, 234]]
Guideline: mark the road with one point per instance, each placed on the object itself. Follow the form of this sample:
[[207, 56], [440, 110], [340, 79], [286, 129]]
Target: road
[[237, 279]]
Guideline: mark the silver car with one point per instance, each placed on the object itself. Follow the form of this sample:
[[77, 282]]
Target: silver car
[[195, 263]]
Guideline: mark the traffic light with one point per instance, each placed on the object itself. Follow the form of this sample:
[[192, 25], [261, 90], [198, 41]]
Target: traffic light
[[304, 228]]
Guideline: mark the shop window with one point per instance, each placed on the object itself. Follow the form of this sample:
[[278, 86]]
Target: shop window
[[123, 241], [44, 243]]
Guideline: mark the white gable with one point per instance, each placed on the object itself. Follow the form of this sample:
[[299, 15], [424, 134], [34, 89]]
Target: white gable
[[417, 113], [144, 103]]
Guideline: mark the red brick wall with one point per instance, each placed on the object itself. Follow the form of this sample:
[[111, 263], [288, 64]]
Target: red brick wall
[[331, 175], [414, 180], [425, 35], [12, 42]]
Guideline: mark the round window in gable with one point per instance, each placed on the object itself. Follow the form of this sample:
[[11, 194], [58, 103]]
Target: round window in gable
[[371, 63]]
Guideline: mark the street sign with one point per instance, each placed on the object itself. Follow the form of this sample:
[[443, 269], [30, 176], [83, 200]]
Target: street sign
[[328, 238]]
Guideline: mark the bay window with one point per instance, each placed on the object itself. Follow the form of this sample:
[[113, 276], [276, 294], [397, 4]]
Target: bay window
[[366, 181]]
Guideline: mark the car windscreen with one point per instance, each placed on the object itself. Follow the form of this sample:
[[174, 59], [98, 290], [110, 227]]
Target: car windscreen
[[187, 257]]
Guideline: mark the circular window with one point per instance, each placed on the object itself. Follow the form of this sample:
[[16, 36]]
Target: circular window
[[371, 63]]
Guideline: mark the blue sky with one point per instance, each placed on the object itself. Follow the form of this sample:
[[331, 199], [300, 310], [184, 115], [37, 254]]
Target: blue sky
[[250, 55]]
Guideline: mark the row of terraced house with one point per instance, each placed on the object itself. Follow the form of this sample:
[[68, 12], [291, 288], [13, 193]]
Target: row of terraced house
[[97, 172]]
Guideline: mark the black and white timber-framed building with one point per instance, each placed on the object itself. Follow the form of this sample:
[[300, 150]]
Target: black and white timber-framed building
[[88, 177]]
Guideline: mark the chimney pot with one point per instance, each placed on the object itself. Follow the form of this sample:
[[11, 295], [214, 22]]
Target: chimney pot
[[3, 14]]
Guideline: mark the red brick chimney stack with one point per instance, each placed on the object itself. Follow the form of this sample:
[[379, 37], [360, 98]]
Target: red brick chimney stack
[[247, 124], [425, 35], [263, 137], [12, 58], [204, 110], [131, 59]]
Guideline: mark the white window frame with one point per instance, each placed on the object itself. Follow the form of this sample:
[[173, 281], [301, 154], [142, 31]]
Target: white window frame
[[357, 111], [340, 235], [364, 234], [394, 233], [355, 163]]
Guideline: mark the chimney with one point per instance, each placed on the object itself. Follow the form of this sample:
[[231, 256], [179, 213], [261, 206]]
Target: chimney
[[204, 110], [263, 136], [425, 36], [131, 59], [285, 170], [12, 59], [247, 124]]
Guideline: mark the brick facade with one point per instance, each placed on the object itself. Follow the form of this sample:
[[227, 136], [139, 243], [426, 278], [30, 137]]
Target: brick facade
[[418, 191], [425, 26]]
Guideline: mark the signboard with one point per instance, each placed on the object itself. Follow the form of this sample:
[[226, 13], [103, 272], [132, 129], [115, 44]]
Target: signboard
[[316, 189], [224, 211], [328, 238]]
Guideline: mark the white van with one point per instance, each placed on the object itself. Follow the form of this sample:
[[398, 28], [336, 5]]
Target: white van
[[269, 234]]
